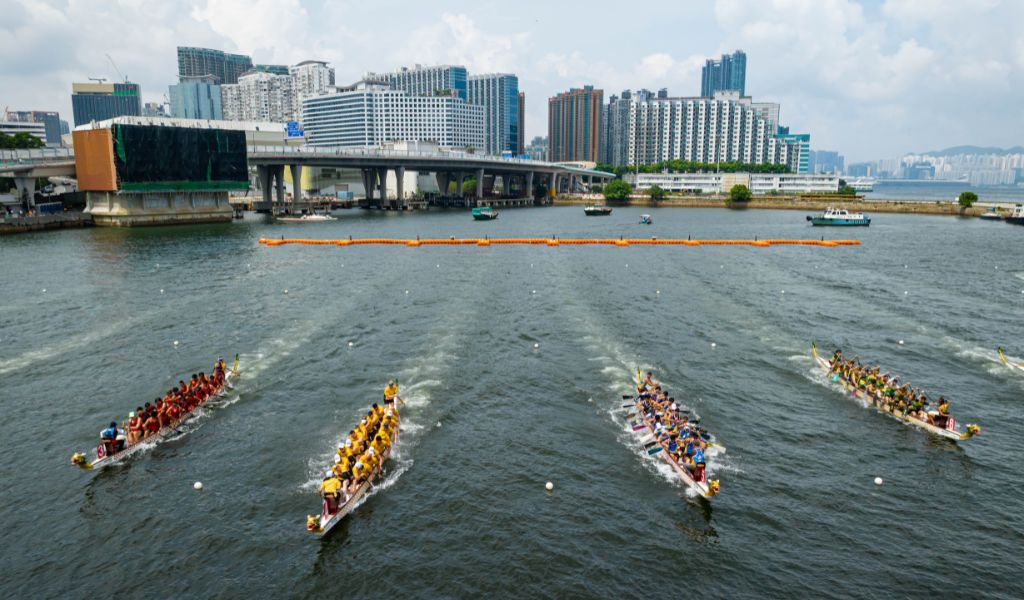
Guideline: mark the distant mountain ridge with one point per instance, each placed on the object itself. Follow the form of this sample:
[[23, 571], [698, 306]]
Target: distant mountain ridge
[[974, 150]]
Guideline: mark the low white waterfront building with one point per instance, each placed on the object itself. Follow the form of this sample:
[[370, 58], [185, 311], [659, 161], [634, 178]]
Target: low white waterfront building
[[720, 183]]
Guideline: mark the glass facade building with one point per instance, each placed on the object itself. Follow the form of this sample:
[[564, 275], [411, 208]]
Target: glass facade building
[[196, 98], [101, 101], [197, 62], [729, 73], [426, 81], [498, 94]]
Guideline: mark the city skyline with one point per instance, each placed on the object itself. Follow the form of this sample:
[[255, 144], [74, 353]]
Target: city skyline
[[868, 78]]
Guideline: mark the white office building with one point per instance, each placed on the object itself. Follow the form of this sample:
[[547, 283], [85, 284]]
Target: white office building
[[438, 80], [259, 96], [370, 115], [310, 78], [720, 183], [644, 129]]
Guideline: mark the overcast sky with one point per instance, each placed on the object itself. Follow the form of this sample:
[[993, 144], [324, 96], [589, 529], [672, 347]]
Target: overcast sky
[[870, 78]]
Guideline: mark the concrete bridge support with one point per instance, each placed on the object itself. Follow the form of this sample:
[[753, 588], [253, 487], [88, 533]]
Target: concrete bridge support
[[26, 187], [279, 186], [443, 179], [400, 186], [529, 184], [382, 186], [296, 183], [462, 179], [480, 183]]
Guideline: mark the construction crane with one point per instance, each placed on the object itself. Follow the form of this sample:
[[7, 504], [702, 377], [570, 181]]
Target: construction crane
[[112, 63], [98, 79]]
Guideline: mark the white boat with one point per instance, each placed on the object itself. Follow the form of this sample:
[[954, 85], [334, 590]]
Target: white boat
[[103, 459], [839, 217], [862, 184], [1017, 216], [950, 432], [326, 521], [307, 218], [990, 215]]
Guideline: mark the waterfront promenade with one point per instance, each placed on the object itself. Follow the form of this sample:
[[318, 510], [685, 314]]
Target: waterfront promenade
[[818, 203]]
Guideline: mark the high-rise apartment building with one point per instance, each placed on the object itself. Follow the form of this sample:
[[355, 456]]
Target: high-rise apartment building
[[801, 162], [644, 129], [522, 124], [197, 62], [370, 114], [49, 119], [827, 161], [538, 148], [574, 125], [101, 101], [728, 73], [272, 69], [498, 94], [425, 81], [196, 98], [310, 78], [259, 96]]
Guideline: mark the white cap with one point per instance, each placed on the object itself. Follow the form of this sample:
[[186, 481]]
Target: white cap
[[348, 442], [328, 474], [359, 464], [371, 450], [390, 412], [337, 458], [363, 422]]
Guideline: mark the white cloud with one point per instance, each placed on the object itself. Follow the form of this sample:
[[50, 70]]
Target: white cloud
[[456, 39]]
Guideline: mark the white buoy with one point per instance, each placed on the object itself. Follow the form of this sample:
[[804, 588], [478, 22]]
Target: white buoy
[[627, 265], [657, 291], [286, 291], [438, 423], [905, 292], [438, 266], [783, 291], [901, 342], [44, 290], [534, 292], [175, 342], [350, 344], [197, 485], [536, 346], [713, 344], [549, 486], [878, 481], [161, 290], [248, 265], [158, 264], [406, 291]]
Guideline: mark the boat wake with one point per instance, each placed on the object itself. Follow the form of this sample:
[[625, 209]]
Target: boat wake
[[42, 355]]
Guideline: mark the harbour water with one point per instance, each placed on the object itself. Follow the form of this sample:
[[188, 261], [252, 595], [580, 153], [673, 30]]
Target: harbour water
[[88, 321]]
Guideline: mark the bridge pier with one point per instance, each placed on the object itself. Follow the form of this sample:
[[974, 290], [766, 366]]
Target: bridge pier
[[400, 186], [458, 189], [296, 183], [479, 184], [443, 179], [529, 184], [382, 186], [26, 187], [279, 187]]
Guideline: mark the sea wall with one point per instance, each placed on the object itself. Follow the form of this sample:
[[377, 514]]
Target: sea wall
[[810, 204], [42, 222]]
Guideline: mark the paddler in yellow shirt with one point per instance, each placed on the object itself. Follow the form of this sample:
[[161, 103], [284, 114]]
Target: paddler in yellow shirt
[[390, 393], [329, 490]]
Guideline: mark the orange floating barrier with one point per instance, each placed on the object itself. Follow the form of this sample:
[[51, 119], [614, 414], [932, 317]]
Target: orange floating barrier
[[556, 242]]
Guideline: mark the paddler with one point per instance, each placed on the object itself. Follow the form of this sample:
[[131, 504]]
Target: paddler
[[698, 466], [329, 490], [135, 426], [942, 418], [649, 380], [390, 393], [113, 438]]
